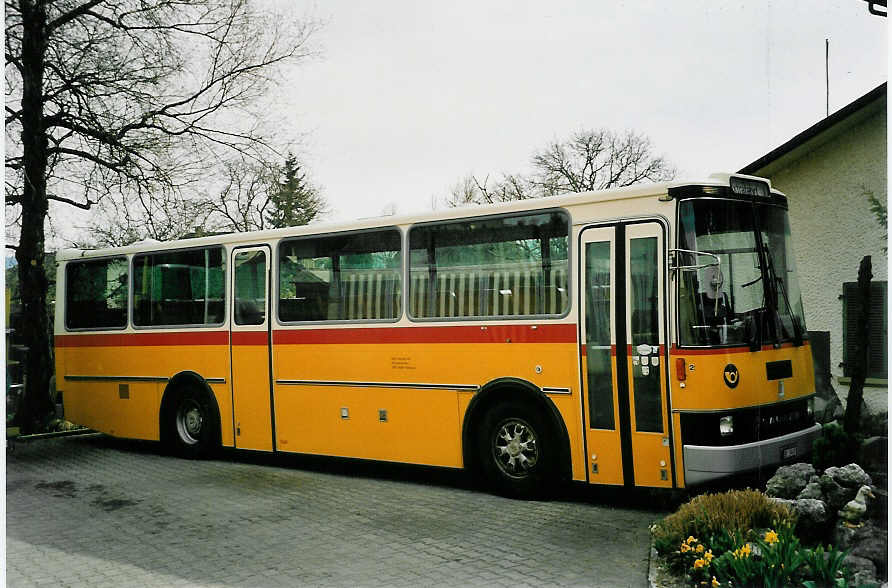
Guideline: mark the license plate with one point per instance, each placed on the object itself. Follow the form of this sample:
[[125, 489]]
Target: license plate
[[788, 452]]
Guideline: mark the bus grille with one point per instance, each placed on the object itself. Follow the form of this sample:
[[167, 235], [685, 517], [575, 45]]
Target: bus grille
[[750, 424]]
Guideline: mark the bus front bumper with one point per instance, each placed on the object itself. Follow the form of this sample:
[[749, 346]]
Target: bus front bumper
[[703, 463]]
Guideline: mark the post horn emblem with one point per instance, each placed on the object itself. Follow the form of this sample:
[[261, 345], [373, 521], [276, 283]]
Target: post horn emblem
[[731, 375]]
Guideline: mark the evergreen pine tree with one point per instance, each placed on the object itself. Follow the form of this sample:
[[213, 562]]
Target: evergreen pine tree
[[294, 201]]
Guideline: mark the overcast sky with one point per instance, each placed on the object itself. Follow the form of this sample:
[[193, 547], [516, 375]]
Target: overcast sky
[[409, 96]]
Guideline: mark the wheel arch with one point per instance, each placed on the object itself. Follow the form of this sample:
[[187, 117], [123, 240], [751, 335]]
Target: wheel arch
[[175, 386], [490, 394]]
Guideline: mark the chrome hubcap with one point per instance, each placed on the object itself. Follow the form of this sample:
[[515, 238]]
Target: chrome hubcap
[[189, 421], [515, 448]]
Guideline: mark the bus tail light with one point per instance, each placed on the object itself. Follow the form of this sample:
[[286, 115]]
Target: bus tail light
[[681, 369], [726, 426]]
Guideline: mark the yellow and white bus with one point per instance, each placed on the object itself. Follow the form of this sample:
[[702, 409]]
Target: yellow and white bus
[[644, 336]]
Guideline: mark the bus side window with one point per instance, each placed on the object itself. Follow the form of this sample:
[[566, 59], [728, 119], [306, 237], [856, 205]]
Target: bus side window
[[174, 288], [510, 266], [96, 294], [348, 277], [250, 287]]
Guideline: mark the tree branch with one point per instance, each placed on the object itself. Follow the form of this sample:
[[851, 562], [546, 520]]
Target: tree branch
[[69, 16], [82, 205]]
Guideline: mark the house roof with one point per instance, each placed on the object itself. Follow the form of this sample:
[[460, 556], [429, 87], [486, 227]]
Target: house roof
[[819, 133]]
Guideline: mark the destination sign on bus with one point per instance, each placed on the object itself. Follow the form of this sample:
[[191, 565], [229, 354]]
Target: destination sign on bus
[[747, 187]]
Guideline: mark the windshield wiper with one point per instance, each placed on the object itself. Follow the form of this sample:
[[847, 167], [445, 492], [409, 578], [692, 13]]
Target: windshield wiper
[[797, 328]]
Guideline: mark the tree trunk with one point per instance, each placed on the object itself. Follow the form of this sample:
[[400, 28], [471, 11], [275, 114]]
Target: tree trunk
[[36, 402], [859, 361]]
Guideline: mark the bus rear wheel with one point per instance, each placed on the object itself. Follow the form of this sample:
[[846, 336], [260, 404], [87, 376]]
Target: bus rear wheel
[[516, 450], [192, 425]]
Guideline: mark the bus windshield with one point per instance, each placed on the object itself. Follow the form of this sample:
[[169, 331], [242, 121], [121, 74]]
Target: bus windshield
[[738, 283]]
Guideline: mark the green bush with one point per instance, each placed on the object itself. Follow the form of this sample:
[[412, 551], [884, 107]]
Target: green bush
[[834, 447], [720, 520]]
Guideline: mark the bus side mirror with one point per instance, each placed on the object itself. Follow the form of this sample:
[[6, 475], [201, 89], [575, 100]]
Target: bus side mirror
[[675, 256]]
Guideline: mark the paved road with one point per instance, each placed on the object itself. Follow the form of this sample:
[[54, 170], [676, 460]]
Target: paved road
[[104, 512]]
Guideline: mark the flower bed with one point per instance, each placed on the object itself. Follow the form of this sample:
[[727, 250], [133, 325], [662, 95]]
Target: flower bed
[[743, 538]]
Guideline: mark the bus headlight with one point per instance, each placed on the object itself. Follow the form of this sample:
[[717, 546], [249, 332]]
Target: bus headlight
[[810, 406], [726, 425]]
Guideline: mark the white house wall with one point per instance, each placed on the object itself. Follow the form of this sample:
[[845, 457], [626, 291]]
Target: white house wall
[[833, 227]]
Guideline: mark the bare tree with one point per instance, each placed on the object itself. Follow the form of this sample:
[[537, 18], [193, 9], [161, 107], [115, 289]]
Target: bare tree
[[588, 160], [470, 190], [129, 97], [122, 222], [244, 201], [596, 160], [254, 195]]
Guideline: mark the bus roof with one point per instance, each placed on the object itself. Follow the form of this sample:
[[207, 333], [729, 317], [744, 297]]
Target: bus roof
[[571, 199]]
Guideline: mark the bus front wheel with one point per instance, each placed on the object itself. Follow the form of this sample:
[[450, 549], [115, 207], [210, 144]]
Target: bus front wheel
[[191, 424], [517, 451]]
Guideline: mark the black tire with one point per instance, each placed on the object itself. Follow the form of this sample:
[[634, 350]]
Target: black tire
[[192, 424], [517, 451]]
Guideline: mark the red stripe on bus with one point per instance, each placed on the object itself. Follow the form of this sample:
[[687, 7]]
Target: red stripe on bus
[[562, 333], [250, 338], [144, 339]]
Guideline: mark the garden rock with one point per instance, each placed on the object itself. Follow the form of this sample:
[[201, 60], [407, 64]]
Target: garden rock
[[873, 454], [828, 410], [812, 517], [835, 495], [850, 476], [789, 480], [879, 507], [869, 541], [862, 570], [812, 489], [872, 543], [843, 535], [833, 411], [874, 421]]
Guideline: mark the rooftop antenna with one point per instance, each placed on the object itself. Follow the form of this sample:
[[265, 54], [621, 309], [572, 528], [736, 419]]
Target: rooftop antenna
[[827, 71]]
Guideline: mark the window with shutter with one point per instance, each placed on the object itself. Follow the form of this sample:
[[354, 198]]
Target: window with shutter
[[877, 357]]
